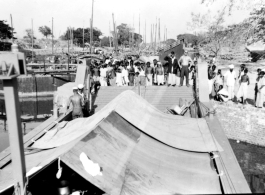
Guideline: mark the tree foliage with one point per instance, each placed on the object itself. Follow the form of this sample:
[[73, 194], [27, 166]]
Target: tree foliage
[[126, 35], [78, 35], [105, 41], [45, 30], [257, 19], [29, 35], [6, 31], [238, 4]]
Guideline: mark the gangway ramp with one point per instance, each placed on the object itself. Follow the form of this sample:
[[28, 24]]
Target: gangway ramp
[[161, 97]]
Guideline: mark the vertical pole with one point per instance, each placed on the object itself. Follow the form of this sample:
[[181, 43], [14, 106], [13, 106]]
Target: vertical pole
[[115, 37], [52, 35], [68, 47], [109, 36], [12, 27], [32, 40], [83, 37], [155, 35], [159, 41], [15, 133], [145, 33], [91, 27]]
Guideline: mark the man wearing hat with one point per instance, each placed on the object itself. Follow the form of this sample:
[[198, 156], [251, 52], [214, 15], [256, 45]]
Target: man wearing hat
[[230, 77], [77, 102], [81, 90]]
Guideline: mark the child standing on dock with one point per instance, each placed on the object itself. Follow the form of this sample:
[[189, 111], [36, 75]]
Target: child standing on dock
[[77, 102]]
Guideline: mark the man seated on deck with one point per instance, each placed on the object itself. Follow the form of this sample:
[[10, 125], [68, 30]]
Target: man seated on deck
[[77, 102], [222, 95]]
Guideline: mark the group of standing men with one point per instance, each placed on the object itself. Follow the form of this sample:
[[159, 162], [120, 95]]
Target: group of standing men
[[127, 72], [230, 79]]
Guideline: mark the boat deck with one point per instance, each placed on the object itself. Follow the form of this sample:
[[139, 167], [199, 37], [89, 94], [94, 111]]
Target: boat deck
[[162, 97]]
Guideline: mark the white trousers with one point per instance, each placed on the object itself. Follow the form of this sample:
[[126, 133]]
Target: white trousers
[[230, 90], [260, 99], [150, 78], [160, 79], [103, 81], [171, 80]]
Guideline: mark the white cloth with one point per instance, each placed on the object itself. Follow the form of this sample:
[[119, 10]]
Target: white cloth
[[230, 90], [103, 81], [230, 78], [171, 79], [224, 94], [261, 94], [125, 75], [119, 79], [142, 73], [210, 83], [178, 80], [103, 72], [160, 79], [243, 91], [150, 78]]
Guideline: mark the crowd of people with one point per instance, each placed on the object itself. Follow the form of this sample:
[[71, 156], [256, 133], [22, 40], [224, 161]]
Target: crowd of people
[[133, 72], [217, 81]]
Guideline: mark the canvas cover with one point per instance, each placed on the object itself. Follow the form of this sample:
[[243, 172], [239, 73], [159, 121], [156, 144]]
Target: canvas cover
[[183, 133]]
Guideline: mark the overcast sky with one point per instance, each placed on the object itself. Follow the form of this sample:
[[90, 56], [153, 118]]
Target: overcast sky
[[174, 14]]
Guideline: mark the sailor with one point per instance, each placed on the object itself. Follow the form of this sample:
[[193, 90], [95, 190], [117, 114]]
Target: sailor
[[243, 89], [149, 74], [184, 63], [261, 90], [77, 102], [230, 76]]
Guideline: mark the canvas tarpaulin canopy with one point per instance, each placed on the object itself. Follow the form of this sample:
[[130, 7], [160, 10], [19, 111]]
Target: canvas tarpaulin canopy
[[131, 161], [176, 131]]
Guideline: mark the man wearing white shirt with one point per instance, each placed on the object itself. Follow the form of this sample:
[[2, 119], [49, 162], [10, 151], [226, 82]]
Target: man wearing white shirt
[[103, 75], [230, 77], [125, 75]]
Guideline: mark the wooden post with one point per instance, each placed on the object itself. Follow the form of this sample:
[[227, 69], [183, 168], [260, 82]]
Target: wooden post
[[68, 49], [15, 134]]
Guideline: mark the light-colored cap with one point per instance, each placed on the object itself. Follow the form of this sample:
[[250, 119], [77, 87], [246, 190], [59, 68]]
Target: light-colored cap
[[159, 63], [80, 86], [263, 70], [74, 88], [231, 66]]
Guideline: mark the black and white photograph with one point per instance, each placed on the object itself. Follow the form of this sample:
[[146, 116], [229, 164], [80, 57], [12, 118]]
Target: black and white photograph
[[142, 97]]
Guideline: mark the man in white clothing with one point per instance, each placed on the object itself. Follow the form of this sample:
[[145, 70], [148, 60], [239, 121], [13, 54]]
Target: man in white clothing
[[230, 77], [103, 75], [125, 75]]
